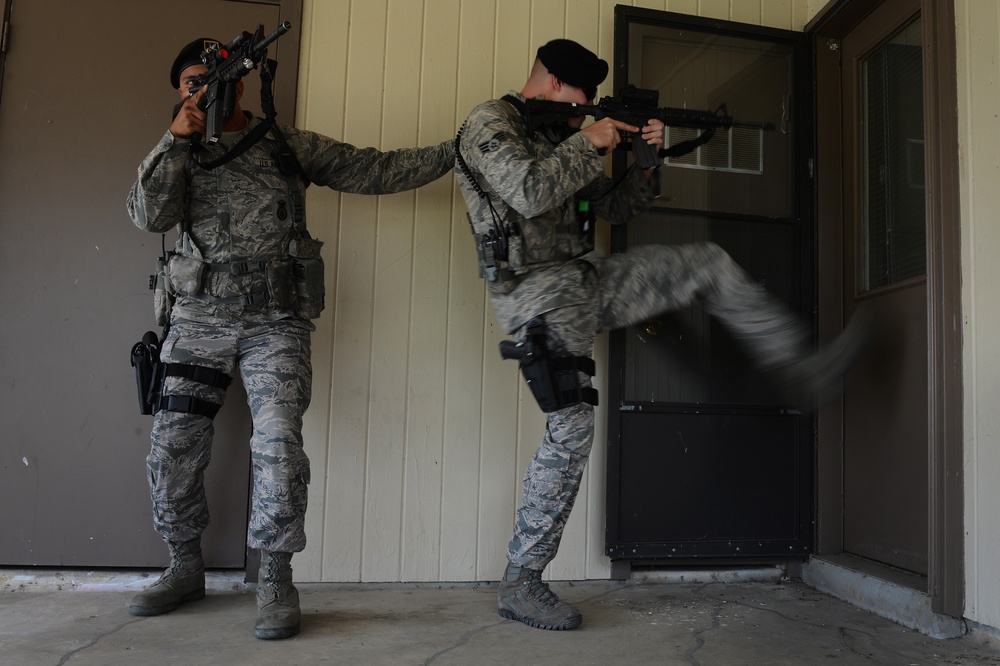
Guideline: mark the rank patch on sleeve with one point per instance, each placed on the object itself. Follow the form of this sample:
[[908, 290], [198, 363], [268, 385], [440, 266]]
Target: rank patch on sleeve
[[492, 144]]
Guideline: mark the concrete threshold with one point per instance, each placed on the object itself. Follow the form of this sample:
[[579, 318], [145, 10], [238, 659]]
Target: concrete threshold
[[49, 580], [890, 593]]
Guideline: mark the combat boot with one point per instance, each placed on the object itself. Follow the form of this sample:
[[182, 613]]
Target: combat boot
[[182, 581], [817, 379], [278, 614], [524, 597]]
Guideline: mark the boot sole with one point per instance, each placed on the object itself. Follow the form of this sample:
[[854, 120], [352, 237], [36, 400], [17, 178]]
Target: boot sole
[[149, 611], [569, 623], [276, 634]]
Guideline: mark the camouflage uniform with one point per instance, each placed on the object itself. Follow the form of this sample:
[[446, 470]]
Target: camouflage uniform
[[240, 314], [532, 180]]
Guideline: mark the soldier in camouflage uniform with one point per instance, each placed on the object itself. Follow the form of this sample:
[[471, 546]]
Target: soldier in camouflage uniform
[[520, 185], [245, 283]]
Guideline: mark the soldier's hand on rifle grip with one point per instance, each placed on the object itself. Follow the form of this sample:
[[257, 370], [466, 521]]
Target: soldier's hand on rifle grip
[[190, 119], [604, 133]]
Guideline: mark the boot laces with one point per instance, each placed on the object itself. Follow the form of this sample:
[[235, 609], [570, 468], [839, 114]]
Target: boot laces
[[272, 576], [179, 565], [273, 572], [539, 590]]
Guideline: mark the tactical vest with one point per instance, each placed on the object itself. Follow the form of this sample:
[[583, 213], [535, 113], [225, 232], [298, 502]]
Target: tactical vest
[[291, 281], [510, 245]]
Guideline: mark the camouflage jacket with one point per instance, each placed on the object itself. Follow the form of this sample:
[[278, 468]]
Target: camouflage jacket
[[247, 211], [532, 179]]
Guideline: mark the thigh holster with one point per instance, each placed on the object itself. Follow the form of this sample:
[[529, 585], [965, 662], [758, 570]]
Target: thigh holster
[[151, 374], [553, 378], [189, 404]]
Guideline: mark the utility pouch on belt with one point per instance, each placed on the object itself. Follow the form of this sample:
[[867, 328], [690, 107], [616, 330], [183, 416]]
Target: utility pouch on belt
[[552, 378], [307, 274], [280, 288], [185, 276]]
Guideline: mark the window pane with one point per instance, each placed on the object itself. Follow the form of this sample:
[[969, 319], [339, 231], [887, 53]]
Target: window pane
[[742, 170], [893, 234]]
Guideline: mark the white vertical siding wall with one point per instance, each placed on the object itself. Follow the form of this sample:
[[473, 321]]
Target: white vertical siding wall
[[978, 47], [418, 432]]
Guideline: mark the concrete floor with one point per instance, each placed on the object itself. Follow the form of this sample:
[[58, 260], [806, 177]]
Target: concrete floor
[[82, 618]]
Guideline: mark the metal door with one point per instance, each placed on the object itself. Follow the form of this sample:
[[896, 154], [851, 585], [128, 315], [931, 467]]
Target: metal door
[[886, 403], [85, 96], [704, 459]]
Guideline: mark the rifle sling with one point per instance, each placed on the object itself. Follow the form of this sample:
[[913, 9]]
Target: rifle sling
[[254, 135], [685, 147]]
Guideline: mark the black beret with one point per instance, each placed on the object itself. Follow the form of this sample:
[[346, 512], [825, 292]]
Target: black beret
[[573, 64], [189, 55]]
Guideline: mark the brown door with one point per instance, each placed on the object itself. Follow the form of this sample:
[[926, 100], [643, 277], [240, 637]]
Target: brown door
[[886, 404], [85, 95]]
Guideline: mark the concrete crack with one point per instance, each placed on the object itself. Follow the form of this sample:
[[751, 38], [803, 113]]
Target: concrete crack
[[97, 639], [465, 638]]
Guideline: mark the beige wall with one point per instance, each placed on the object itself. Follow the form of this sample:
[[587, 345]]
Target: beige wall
[[418, 432], [978, 37]]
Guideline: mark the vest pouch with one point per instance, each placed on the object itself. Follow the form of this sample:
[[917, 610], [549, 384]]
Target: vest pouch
[[161, 299], [516, 259], [185, 276], [308, 273], [280, 286]]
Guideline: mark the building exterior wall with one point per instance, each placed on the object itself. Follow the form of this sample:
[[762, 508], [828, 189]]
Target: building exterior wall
[[418, 432], [978, 51]]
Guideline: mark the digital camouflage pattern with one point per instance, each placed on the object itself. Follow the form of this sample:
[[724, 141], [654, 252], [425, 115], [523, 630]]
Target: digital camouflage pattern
[[247, 211], [273, 362], [533, 179], [538, 178]]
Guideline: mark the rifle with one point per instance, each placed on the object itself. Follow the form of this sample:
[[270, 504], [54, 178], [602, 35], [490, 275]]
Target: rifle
[[637, 106], [226, 66]]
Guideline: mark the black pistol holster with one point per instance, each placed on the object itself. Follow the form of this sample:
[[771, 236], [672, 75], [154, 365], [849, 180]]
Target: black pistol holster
[[145, 358], [552, 378], [151, 373]]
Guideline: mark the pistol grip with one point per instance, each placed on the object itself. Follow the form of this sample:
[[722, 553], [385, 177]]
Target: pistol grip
[[511, 350]]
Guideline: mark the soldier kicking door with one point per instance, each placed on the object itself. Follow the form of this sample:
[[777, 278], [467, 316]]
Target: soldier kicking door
[[705, 460]]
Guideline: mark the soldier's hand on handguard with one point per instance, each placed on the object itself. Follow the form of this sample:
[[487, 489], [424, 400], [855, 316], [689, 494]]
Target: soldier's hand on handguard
[[604, 133], [189, 119], [653, 132], [653, 135]]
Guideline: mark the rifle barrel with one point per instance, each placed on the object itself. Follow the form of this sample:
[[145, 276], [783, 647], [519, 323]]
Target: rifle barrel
[[284, 27]]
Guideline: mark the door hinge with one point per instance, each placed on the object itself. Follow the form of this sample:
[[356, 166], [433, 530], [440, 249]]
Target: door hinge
[[3, 37]]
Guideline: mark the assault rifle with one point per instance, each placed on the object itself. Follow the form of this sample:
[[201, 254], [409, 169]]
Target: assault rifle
[[635, 107], [226, 66]]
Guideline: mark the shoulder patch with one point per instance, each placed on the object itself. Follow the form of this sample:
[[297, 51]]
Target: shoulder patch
[[492, 144]]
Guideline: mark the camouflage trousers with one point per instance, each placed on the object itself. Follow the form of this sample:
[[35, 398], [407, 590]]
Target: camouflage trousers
[[626, 289], [273, 360]]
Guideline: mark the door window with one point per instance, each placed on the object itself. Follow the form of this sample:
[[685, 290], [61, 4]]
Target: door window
[[893, 234]]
